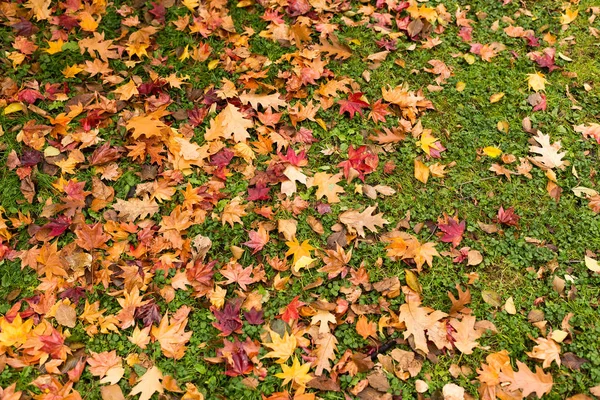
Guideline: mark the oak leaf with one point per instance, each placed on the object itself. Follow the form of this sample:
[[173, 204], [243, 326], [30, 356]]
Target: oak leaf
[[528, 382], [418, 319], [133, 209], [466, 334], [357, 221], [326, 345], [546, 350], [549, 155]]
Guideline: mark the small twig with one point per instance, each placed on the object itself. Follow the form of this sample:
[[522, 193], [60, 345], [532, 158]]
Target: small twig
[[434, 230]]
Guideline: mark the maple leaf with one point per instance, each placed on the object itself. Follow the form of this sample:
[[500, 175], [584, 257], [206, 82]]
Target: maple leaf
[[353, 104], [228, 319], [258, 239], [360, 162], [148, 384], [528, 382], [297, 373], [254, 316], [366, 328], [358, 221], [282, 347], [291, 310], [549, 156], [40, 8], [546, 350], [106, 365], [418, 319], [233, 212], [147, 125], [259, 192], [229, 123], [90, 237], [14, 333], [453, 231], [379, 111], [430, 144], [235, 273], [336, 262], [327, 186], [537, 81], [172, 337], [298, 250], [508, 216], [569, 16]]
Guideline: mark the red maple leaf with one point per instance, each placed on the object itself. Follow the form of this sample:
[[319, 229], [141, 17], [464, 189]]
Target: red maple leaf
[[379, 111], [298, 160], [258, 240], [508, 216], [58, 225], [361, 160], [546, 59], [259, 192], [291, 310], [453, 231], [353, 104], [236, 356], [201, 273], [228, 319], [254, 316]]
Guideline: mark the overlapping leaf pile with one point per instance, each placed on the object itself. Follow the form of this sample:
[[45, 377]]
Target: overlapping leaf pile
[[145, 162]]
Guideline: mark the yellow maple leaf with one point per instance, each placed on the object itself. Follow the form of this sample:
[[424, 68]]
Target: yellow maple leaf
[[427, 142], [87, 22], [297, 373], [298, 250], [147, 125], [71, 71], [569, 16], [537, 81], [127, 90], [282, 347], [54, 46], [14, 333], [191, 4]]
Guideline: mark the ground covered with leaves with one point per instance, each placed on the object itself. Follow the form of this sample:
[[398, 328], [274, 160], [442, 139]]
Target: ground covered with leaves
[[299, 199]]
